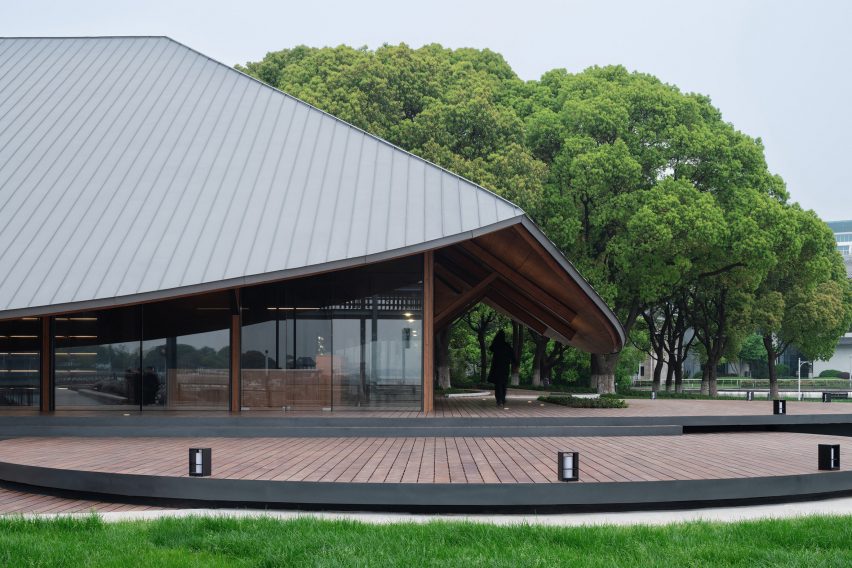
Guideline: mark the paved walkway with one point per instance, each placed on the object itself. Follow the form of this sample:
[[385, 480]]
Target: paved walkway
[[521, 404], [439, 459], [17, 503], [831, 507]]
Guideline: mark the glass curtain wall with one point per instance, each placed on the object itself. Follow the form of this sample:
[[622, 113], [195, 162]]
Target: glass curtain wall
[[20, 362], [173, 354], [286, 346], [186, 353], [352, 339], [97, 359]]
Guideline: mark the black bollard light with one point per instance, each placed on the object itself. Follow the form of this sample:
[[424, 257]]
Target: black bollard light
[[826, 397], [200, 462], [749, 395], [829, 456], [779, 406], [568, 466]]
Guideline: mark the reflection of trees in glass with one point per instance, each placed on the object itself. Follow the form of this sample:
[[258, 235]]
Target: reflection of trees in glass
[[116, 357], [254, 359], [190, 357]]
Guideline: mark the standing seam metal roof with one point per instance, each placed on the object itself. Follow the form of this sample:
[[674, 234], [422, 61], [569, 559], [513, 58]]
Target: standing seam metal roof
[[131, 165]]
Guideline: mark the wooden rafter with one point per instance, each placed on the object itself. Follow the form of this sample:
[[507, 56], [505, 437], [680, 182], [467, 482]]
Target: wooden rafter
[[519, 281], [464, 301]]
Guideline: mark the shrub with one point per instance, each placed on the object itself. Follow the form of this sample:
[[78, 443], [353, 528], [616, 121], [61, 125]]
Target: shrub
[[604, 401], [557, 387], [834, 374], [663, 394]]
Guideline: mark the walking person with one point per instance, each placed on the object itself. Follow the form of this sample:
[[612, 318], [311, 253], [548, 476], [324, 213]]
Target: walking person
[[502, 359]]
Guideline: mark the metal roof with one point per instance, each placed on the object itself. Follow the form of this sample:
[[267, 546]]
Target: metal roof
[[130, 166]]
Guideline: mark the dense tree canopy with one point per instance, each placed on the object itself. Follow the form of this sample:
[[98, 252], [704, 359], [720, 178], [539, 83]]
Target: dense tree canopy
[[663, 206]]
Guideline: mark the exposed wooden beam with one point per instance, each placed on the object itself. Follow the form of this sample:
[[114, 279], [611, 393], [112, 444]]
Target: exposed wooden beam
[[465, 269], [464, 301], [521, 282], [46, 403], [452, 281], [536, 310], [458, 264], [511, 310], [428, 331]]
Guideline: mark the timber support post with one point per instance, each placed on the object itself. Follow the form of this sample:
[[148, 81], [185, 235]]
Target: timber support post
[[428, 331]]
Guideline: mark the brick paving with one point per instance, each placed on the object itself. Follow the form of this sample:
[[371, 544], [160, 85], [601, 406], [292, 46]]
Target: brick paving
[[439, 459]]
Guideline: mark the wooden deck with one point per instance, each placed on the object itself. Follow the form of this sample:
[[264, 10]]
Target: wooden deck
[[14, 502], [438, 460]]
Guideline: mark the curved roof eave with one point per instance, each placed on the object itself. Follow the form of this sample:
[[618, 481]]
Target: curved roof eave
[[257, 278], [551, 248], [522, 220]]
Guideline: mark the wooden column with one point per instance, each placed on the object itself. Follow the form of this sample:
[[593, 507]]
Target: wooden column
[[236, 352], [428, 331], [46, 396]]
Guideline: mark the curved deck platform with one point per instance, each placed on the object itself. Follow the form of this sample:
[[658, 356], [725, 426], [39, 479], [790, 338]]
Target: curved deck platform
[[435, 473]]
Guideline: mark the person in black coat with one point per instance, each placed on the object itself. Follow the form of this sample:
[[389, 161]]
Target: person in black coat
[[502, 359]]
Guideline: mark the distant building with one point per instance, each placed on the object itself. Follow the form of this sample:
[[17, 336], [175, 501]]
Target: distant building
[[842, 358], [843, 235]]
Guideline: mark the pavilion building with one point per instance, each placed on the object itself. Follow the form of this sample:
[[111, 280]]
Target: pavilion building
[[178, 235]]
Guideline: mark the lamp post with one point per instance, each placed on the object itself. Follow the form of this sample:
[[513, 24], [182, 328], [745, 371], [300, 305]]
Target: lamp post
[[799, 375]]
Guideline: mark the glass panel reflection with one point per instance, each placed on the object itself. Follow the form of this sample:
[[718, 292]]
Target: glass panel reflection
[[186, 353], [97, 358], [286, 340], [350, 340], [20, 360]]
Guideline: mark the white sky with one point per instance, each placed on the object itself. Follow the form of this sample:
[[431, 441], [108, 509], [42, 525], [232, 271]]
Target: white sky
[[781, 70]]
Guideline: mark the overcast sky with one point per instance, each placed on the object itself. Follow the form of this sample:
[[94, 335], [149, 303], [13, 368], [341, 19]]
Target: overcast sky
[[780, 70]]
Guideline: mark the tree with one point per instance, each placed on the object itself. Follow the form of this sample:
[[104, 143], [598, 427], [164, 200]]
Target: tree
[[517, 351], [442, 357], [481, 320], [641, 178], [648, 191], [804, 300]]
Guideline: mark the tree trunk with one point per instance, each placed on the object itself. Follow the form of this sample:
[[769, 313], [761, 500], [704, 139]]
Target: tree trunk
[[669, 374], [713, 386], [678, 371], [442, 356], [770, 365], [603, 372], [517, 348], [658, 372], [540, 347], [483, 357], [705, 379]]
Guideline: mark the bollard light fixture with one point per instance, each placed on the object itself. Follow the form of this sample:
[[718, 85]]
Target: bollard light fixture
[[200, 462], [568, 466], [829, 456], [779, 406], [749, 395], [826, 397]]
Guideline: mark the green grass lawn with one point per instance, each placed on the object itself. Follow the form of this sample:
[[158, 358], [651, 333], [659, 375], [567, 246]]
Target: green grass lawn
[[811, 541]]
